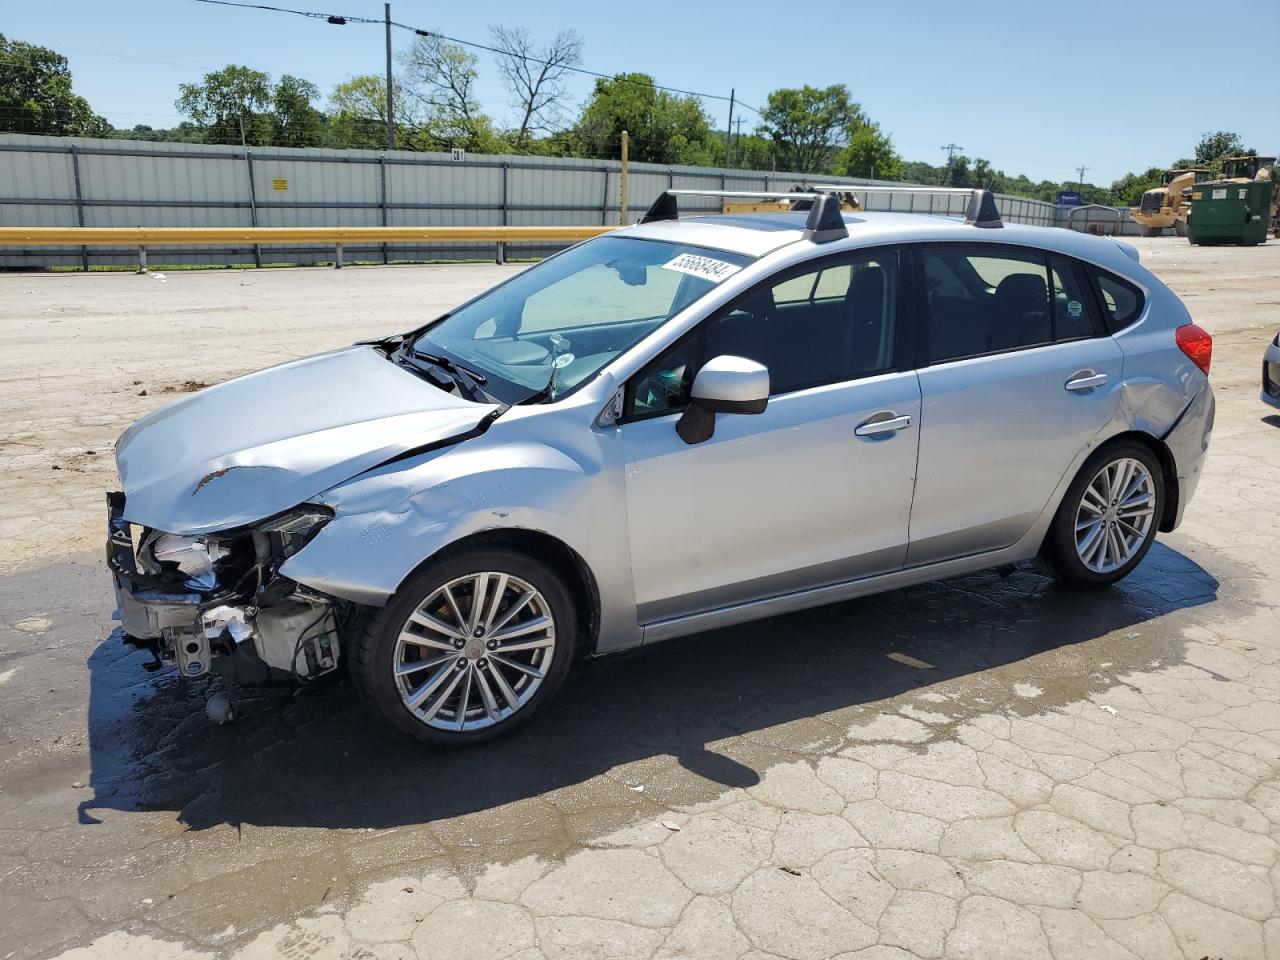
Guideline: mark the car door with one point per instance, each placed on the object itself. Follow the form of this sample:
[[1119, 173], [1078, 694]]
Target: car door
[[1018, 375], [817, 488]]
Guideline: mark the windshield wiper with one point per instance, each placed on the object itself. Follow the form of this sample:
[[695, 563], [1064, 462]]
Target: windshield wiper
[[449, 365], [467, 381]]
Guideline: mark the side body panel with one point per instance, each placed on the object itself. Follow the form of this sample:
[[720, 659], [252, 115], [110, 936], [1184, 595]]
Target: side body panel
[[788, 498], [997, 433]]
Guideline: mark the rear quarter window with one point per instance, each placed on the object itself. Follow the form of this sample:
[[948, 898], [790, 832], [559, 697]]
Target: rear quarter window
[[1120, 300]]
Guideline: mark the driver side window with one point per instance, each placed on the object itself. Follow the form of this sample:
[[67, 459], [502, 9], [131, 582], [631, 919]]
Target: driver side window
[[813, 326]]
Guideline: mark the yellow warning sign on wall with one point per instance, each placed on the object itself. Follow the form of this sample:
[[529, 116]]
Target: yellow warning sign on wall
[[281, 184]]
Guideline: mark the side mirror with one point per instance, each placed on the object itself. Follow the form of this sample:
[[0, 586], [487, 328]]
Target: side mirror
[[725, 384]]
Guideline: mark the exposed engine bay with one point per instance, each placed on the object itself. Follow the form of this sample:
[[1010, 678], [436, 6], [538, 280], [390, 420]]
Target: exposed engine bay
[[206, 603]]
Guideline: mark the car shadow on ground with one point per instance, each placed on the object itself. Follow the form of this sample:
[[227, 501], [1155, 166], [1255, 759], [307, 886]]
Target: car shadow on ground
[[725, 704]]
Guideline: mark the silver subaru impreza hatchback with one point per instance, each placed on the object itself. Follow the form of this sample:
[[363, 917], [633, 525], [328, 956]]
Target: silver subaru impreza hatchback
[[679, 425]]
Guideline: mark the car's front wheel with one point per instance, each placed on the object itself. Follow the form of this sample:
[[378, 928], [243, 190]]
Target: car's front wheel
[[468, 648], [1107, 520]]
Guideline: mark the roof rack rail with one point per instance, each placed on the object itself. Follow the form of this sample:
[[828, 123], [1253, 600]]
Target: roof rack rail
[[825, 221]]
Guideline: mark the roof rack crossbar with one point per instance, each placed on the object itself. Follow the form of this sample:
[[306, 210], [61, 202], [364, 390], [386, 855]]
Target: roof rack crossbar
[[981, 210]]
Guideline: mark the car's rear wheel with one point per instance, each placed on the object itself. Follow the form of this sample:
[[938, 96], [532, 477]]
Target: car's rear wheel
[[468, 648], [1107, 521]]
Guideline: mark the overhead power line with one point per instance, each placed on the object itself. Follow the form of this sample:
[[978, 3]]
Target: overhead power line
[[347, 18]]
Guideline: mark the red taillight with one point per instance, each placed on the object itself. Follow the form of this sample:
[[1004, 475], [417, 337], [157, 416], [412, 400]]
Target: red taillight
[[1196, 343]]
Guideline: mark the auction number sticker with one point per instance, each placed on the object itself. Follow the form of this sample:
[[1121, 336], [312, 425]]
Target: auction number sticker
[[708, 268]]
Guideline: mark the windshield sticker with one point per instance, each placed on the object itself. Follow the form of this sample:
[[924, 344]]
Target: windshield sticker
[[706, 267], [1074, 308]]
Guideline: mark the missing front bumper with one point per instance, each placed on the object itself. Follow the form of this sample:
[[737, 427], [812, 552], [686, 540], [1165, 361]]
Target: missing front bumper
[[295, 637]]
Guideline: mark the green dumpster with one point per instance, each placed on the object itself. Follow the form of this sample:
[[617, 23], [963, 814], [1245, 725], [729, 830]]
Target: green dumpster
[[1230, 212]]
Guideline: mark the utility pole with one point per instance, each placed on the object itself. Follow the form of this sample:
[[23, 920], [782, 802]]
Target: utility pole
[[728, 130], [391, 123], [951, 149], [622, 181], [1082, 169], [737, 135]]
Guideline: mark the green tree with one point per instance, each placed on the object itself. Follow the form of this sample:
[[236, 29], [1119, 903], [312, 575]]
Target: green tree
[[752, 152], [663, 127], [358, 115], [916, 171], [808, 125], [957, 172], [1128, 190], [869, 153], [1213, 146], [36, 95], [439, 84], [984, 175], [295, 122], [225, 100]]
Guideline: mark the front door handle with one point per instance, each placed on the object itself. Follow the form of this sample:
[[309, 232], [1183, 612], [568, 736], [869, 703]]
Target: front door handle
[[1086, 380], [888, 422]]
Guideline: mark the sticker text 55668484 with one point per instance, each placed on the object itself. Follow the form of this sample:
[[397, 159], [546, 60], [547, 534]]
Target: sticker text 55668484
[[708, 268]]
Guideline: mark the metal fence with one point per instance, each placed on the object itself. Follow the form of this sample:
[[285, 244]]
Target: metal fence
[[60, 182], [1101, 220]]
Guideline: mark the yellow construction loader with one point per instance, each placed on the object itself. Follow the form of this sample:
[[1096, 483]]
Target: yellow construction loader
[[1167, 205]]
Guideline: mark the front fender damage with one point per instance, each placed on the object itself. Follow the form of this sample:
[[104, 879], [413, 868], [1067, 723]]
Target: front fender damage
[[387, 522]]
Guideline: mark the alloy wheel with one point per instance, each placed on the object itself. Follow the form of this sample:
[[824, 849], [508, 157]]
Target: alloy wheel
[[1115, 515], [474, 651]]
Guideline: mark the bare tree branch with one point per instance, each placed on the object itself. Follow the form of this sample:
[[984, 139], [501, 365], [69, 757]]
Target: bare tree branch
[[441, 78], [535, 75]]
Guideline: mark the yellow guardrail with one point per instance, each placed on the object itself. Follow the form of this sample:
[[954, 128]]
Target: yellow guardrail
[[143, 237], [192, 236]]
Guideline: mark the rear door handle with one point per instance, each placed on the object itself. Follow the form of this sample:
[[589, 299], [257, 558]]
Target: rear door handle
[[888, 424], [1086, 380]]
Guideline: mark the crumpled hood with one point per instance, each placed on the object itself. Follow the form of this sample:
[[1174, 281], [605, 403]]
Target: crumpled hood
[[255, 446]]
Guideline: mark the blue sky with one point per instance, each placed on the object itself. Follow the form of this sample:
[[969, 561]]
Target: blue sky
[[1036, 88]]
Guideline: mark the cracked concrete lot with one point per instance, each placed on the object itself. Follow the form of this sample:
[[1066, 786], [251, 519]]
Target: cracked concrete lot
[[980, 768]]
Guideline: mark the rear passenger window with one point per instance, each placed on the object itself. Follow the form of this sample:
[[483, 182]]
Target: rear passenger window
[[1120, 300], [985, 302], [1071, 320]]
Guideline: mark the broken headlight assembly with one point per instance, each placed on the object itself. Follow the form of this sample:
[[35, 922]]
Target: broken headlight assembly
[[292, 531], [194, 558], [220, 601]]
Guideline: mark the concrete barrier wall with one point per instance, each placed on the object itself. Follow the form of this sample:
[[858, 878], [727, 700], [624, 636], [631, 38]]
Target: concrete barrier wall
[[53, 181]]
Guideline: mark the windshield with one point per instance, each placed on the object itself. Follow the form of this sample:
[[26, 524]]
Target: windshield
[[574, 313]]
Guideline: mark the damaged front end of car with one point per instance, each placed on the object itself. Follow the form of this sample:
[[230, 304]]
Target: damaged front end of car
[[218, 602]]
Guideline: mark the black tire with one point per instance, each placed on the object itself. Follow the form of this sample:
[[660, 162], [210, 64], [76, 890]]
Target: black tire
[[373, 645], [1059, 551]]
